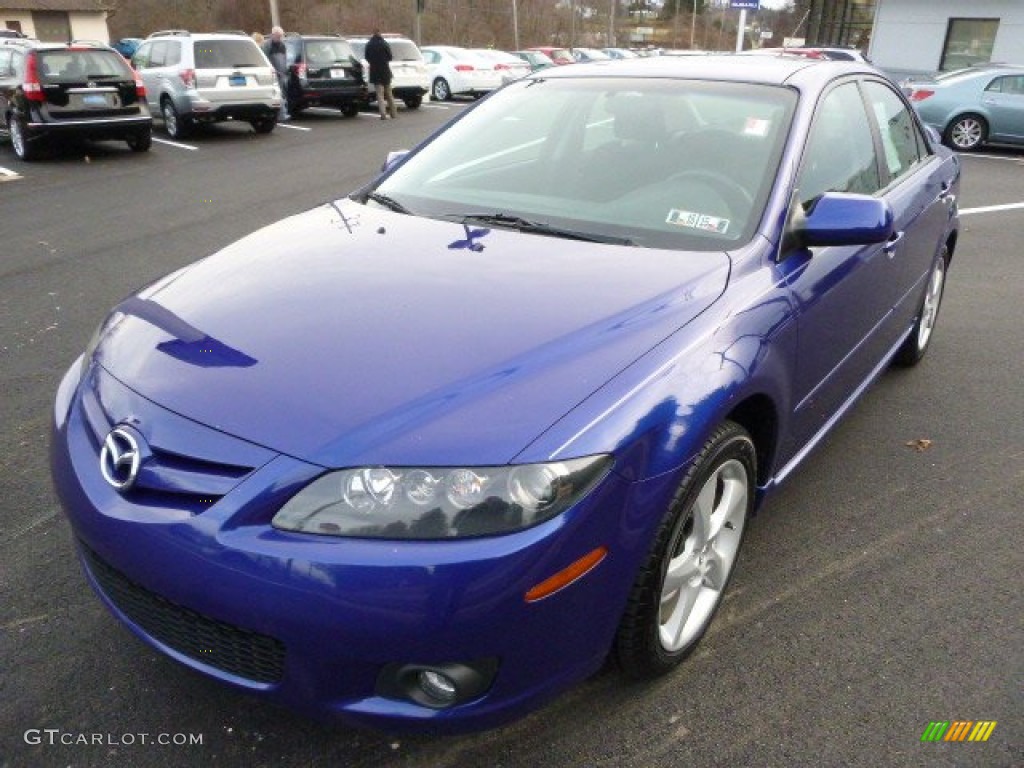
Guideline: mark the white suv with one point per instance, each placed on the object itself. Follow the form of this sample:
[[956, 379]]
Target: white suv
[[206, 78], [410, 79]]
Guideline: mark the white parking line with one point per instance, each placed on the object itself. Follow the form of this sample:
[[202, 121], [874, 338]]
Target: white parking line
[[8, 174], [176, 144], [992, 157], [294, 127], [991, 208]]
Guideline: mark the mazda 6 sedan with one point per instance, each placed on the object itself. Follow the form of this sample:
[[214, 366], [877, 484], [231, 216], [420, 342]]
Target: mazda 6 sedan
[[427, 455]]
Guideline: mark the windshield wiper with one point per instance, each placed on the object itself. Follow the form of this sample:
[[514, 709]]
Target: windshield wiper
[[388, 202], [538, 227]]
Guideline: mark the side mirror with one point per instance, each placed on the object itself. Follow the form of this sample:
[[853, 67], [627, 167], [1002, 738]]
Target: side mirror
[[393, 159], [838, 218]]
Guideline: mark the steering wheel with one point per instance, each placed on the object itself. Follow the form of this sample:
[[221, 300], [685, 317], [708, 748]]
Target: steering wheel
[[739, 200]]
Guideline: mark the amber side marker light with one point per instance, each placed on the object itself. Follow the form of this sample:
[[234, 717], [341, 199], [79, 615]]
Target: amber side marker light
[[567, 576]]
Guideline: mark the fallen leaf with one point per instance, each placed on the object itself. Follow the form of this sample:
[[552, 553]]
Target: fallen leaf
[[920, 445]]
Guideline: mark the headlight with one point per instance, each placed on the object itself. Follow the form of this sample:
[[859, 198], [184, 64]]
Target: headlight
[[439, 502], [108, 324]]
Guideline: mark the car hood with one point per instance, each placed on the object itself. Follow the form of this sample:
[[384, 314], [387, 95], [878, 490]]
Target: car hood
[[348, 335]]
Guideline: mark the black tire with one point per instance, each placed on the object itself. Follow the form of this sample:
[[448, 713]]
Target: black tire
[[440, 90], [21, 142], [916, 344], [966, 132], [264, 124], [413, 102], [350, 110], [700, 537], [140, 141], [176, 126]]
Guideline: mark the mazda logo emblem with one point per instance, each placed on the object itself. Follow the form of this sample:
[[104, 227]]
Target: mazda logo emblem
[[120, 458]]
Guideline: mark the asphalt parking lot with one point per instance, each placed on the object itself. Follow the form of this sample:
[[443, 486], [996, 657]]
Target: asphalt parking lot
[[879, 591]]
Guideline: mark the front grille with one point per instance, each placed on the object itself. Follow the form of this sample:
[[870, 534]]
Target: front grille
[[247, 654]]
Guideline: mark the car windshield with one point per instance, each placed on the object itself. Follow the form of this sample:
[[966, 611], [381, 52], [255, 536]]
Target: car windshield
[[656, 162], [404, 50], [72, 65], [228, 54]]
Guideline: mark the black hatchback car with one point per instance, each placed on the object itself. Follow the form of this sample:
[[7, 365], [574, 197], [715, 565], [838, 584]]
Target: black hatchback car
[[324, 71], [53, 91]]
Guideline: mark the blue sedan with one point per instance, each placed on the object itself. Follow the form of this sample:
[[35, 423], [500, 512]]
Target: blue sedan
[[425, 456], [970, 107]]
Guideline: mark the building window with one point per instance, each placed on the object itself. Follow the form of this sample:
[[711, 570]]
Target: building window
[[968, 42]]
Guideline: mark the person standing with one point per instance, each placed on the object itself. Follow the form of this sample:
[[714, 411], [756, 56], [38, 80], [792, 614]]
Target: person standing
[[278, 55], [378, 56]]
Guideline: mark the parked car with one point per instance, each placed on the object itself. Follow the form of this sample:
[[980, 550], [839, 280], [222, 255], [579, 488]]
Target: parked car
[[509, 66], [458, 72], [619, 53], [195, 78], [410, 76], [589, 54], [970, 107], [560, 56], [323, 71], [127, 46], [535, 59], [56, 92], [430, 468]]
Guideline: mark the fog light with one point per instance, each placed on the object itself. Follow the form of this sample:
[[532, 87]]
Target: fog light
[[438, 686]]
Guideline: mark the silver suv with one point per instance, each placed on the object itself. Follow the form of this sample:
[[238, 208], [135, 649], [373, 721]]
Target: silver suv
[[206, 78]]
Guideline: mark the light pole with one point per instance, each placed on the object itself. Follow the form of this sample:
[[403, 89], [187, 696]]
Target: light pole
[[693, 24], [515, 24]]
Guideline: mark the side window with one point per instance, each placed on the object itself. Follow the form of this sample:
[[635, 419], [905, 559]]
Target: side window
[[173, 56], [840, 154], [901, 143], [1013, 84], [5, 63], [18, 64], [158, 54], [141, 59], [430, 57]]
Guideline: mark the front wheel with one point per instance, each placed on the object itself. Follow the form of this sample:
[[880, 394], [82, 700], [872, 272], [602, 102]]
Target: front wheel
[[679, 588], [966, 132], [913, 349], [440, 90]]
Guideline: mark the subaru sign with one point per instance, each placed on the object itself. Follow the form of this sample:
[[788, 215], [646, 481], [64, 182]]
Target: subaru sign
[[745, 5]]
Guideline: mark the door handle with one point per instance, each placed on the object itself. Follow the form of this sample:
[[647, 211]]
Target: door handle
[[891, 243], [945, 195]]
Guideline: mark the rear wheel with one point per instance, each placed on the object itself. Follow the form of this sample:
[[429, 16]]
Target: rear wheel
[[679, 588], [440, 90], [23, 148], [174, 124], [966, 132], [916, 345], [413, 102], [140, 141], [350, 110], [264, 124]]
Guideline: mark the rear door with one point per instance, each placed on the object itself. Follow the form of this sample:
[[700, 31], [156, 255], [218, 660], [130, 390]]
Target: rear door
[[156, 62], [1004, 99]]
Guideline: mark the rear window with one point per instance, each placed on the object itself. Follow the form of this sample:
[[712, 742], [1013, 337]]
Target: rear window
[[324, 53], [69, 65], [404, 50], [228, 54]]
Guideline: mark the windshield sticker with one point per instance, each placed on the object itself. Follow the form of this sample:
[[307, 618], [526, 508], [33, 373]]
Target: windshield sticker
[[701, 221], [756, 126]]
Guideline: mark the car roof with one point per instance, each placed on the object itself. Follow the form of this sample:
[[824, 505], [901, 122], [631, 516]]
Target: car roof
[[767, 70]]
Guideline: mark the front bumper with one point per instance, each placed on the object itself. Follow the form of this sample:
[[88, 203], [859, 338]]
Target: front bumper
[[314, 622]]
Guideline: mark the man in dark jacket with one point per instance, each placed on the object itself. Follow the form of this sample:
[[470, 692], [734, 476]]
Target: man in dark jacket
[[278, 55], [378, 56]]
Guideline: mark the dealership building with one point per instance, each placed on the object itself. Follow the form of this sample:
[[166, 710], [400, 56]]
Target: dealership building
[[917, 36]]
